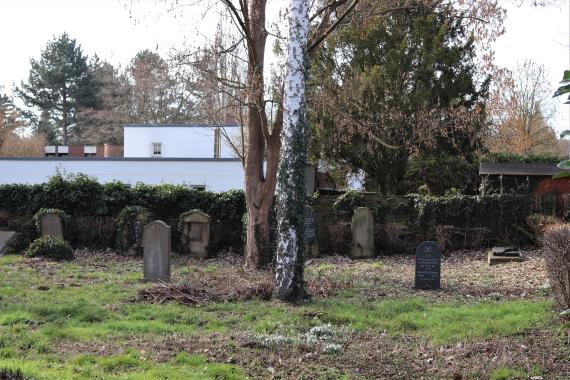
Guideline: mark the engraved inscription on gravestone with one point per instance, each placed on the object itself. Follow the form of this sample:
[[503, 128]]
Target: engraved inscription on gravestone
[[428, 266]]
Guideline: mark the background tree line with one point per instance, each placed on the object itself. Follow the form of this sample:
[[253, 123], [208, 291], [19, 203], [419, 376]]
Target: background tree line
[[393, 95]]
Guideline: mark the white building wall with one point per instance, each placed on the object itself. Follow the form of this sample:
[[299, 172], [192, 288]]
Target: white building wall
[[215, 175], [178, 141]]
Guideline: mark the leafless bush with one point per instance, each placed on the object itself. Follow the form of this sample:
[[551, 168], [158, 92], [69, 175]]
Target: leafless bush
[[340, 234], [538, 223], [394, 238], [95, 231], [557, 255]]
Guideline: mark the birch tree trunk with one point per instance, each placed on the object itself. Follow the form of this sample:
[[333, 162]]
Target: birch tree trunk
[[293, 161]]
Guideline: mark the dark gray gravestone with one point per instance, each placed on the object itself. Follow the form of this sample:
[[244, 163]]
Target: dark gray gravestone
[[156, 251], [311, 245], [428, 266]]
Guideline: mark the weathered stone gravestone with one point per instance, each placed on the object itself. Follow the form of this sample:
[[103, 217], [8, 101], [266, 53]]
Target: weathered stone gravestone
[[5, 237], [499, 255], [428, 266], [51, 224], [195, 236], [362, 234], [311, 245], [156, 251]]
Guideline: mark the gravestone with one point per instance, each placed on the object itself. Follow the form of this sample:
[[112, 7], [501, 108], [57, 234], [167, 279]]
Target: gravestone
[[5, 237], [51, 225], [195, 236], [156, 251], [499, 255], [362, 234], [311, 245], [428, 266]]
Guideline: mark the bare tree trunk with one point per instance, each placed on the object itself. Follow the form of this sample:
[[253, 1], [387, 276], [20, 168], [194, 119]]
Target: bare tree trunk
[[292, 168], [258, 192], [64, 121]]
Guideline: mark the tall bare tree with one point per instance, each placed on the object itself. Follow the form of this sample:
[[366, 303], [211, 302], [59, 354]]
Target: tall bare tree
[[521, 112]]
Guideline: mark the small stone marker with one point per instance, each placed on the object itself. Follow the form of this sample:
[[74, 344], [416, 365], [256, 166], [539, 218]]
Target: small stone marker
[[428, 266], [156, 251], [195, 234], [499, 255], [311, 245], [5, 237], [362, 234], [51, 225]]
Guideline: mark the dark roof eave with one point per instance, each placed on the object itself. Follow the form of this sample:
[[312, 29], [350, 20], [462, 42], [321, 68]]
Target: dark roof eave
[[517, 169]]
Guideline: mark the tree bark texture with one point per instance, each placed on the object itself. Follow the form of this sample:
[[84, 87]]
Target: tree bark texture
[[262, 145], [293, 164]]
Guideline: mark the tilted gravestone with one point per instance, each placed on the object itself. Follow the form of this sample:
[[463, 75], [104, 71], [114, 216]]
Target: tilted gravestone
[[362, 234], [428, 266], [51, 224], [195, 236], [5, 237], [311, 245], [156, 251]]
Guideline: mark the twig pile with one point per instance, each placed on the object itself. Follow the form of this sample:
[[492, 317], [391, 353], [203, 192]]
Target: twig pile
[[213, 287]]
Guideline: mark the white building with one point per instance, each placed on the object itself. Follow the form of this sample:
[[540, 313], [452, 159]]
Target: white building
[[198, 156], [181, 141], [193, 155]]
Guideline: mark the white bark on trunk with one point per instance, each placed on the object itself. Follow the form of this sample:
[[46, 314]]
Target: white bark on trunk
[[291, 175]]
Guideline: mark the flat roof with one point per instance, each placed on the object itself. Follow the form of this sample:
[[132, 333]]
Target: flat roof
[[150, 125], [518, 168], [165, 159]]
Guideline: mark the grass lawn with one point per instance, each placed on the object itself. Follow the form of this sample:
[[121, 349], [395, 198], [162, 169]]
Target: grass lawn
[[84, 320]]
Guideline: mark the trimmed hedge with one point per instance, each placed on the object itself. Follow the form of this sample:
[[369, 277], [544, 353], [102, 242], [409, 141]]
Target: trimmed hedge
[[456, 221], [81, 196]]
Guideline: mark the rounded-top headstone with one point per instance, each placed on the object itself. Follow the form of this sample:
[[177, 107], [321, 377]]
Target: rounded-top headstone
[[428, 266], [156, 251]]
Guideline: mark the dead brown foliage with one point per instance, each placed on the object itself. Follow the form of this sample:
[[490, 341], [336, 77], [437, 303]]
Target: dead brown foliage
[[213, 287], [557, 256]]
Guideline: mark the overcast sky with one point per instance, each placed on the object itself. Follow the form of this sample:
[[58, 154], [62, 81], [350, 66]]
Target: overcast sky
[[117, 29]]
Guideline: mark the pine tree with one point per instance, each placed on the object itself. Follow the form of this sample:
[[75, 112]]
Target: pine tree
[[60, 83]]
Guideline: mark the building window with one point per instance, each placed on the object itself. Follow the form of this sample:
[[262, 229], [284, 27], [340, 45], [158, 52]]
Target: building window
[[156, 149], [217, 142]]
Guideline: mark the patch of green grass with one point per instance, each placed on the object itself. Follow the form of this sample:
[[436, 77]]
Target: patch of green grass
[[211, 268], [506, 373], [129, 366], [454, 323], [441, 323], [324, 267]]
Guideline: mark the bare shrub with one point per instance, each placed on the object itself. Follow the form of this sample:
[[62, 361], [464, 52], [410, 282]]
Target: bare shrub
[[341, 237], [538, 223], [557, 256], [94, 231], [394, 238]]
